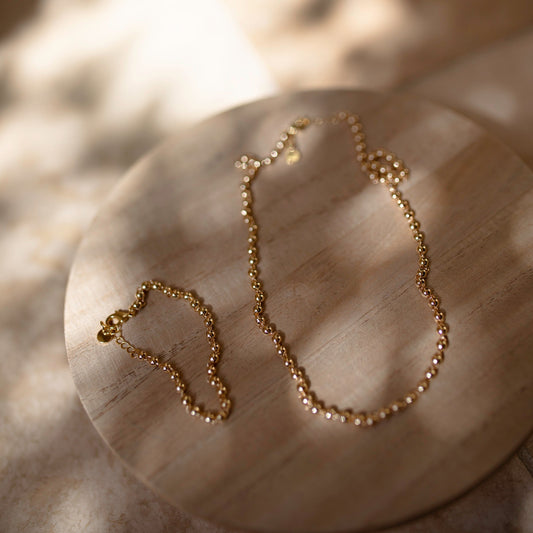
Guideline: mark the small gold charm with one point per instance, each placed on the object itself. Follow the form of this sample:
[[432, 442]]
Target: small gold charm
[[104, 337], [292, 155]]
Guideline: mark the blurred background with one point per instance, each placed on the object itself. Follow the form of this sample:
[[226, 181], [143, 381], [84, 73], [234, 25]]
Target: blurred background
[[88, 86]]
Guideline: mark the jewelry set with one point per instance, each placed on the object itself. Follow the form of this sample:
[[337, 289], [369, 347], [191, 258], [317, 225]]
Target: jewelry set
[[382, 167]]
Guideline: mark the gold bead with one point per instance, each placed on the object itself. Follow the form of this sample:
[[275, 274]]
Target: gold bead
[[431, 372], [438, 358]]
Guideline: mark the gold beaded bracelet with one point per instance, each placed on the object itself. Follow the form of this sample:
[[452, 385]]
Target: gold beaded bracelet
[[381, 166], [112, 330]]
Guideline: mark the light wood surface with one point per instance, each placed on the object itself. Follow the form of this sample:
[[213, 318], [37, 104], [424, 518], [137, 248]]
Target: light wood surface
[[338, 265]]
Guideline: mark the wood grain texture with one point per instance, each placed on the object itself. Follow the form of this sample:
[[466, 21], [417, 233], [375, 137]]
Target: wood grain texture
[[338, 264]]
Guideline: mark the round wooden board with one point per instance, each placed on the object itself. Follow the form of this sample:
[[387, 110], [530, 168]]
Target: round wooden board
[[338, 263]]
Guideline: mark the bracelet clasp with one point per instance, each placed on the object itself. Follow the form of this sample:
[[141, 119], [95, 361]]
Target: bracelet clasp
[[112, 325]]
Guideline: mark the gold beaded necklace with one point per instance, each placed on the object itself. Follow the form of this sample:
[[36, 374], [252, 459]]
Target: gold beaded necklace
[[381, 166]]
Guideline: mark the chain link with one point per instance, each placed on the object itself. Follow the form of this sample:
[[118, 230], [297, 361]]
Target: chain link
[[381, 166]]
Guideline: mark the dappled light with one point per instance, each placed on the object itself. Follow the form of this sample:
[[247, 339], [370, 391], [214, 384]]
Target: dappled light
[[88, 87]]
